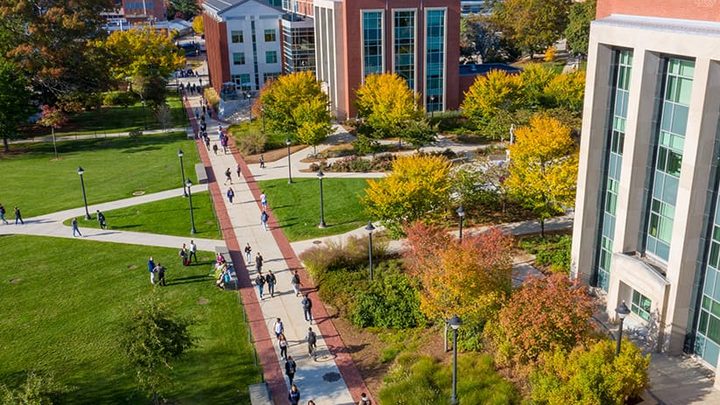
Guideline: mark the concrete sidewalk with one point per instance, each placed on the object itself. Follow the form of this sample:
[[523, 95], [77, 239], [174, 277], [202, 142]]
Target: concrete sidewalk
[[321, 380], [81, 137]]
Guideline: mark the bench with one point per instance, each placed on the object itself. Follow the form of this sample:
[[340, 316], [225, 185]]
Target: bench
[[233, 283], [201, 173], [259, 394]]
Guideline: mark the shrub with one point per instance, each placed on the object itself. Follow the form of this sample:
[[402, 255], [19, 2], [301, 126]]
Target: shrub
[[38, 388], [351, 164], [251, 143], [119, 98], [592, 375], [423, 380], [552, 251], [390, 301], [320, 165], [318, 260]]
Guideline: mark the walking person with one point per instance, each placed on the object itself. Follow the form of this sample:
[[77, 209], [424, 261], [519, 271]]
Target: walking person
[[259, 262], [238, 171], [193, 252], [160, 270], [151, 269], [184, 255], [364, 400], [248, 253], [290, 369], [2, 214], [260, 283], [295, 281], [312, 343], [230, 194], [215, 148], [264, 220], [263, 201], [207, 142], [307, 308], [262, 161], [271, 280], [279, 328], [294, 394], [75, 228], [228, 176], [18, 216], [101, 219], [283, 344]]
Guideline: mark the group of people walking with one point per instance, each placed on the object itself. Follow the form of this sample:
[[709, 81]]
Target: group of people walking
[[18, 216]]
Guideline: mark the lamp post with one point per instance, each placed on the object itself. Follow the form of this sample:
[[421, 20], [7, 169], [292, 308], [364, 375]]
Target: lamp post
[[182, 171], [370, 228], [192, 217], [622, 311], [461, 214], [320, 176], [454, 323], [80, 171], [288, 143]]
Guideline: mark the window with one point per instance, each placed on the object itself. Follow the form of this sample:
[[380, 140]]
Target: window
[[271, 57], [641, 305], [243, 81], [404, 47], [236, 37], [269, 35], [238, 58], [270, 76], [372, 39], [434, 60]]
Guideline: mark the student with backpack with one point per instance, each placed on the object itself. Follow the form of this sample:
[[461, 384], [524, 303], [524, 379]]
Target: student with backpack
[[260, 283], [296, 283], [312, 343]]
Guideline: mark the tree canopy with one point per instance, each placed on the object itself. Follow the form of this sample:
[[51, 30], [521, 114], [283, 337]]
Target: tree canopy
[[533, 25], [577, 31], [142, 52], [15, 100]]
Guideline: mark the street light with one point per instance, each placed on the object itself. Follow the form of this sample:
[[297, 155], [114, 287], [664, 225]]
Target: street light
[[454, 323], [320, 176], [192, 217], [80, 171], [182, 171], [461, 213], [370, 228], [622, 311], [288, 143]]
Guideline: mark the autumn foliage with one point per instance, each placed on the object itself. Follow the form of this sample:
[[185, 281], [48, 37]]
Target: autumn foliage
[[469, 278], [546, 313]]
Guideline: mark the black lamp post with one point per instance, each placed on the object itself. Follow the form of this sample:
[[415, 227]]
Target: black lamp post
[[288, 143], [454, 323], [370, 228], [80, 171], [461, 213], [182, 171], [192, 216], [622, 311], [320, 176]]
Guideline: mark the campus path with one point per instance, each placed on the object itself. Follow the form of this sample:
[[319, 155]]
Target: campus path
[[52, 224], [96, 135], [332, 379]]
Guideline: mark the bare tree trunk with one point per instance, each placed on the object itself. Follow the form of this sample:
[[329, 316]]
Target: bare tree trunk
[[6, 145]]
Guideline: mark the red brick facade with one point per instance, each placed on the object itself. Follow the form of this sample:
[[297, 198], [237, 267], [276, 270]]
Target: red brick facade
[[134, 9], [705, 10], [216, 43]]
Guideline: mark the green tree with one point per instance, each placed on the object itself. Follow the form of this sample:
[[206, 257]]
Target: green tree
[[478, 37], [534, 79], [417, 188], [490, 103], [184, 9], [280, 99], [591, 375], [543, 167], [37, 389], [152, 338], [313, 120], [15, 106], [577, 32], [141, 53], [567, 91], [533, 25]]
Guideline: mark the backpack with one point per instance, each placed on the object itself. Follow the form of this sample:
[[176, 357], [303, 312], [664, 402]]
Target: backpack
[[260, 280], [312, 338]]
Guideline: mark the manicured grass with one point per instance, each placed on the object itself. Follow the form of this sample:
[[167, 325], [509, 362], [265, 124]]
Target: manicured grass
[[167, 217], [297, 206], [114, 168], [63, 301], [123, 119]]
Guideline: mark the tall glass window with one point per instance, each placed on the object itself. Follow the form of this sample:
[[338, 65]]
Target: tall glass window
[[668, 155], [434, 60], [707, 341], [372, 42], [613, 162], [404, 48]]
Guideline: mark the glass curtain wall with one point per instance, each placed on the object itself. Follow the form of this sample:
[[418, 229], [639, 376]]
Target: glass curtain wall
[[434, 60], [405, 46], [372, 42]]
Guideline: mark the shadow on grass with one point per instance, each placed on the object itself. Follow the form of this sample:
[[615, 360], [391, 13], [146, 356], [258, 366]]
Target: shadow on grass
[[102, 143], [143, 149]]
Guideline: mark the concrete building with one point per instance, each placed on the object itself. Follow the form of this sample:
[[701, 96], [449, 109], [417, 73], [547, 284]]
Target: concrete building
[[417, 39], [144, 10], [647, 227], [243, 41]]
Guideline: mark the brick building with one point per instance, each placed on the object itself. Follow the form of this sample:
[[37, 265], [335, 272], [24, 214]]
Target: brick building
[[144, 10], [647, 214]]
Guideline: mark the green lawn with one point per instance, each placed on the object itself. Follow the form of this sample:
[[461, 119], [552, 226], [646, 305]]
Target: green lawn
[[166, 217], [122, 119], [115, 168], [63, 301], [297, 206]]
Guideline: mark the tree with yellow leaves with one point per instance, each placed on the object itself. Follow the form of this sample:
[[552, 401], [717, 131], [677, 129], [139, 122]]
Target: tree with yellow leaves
[[543, 167], [389, 108], [418, 188], [198, 25], [491, 101]]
